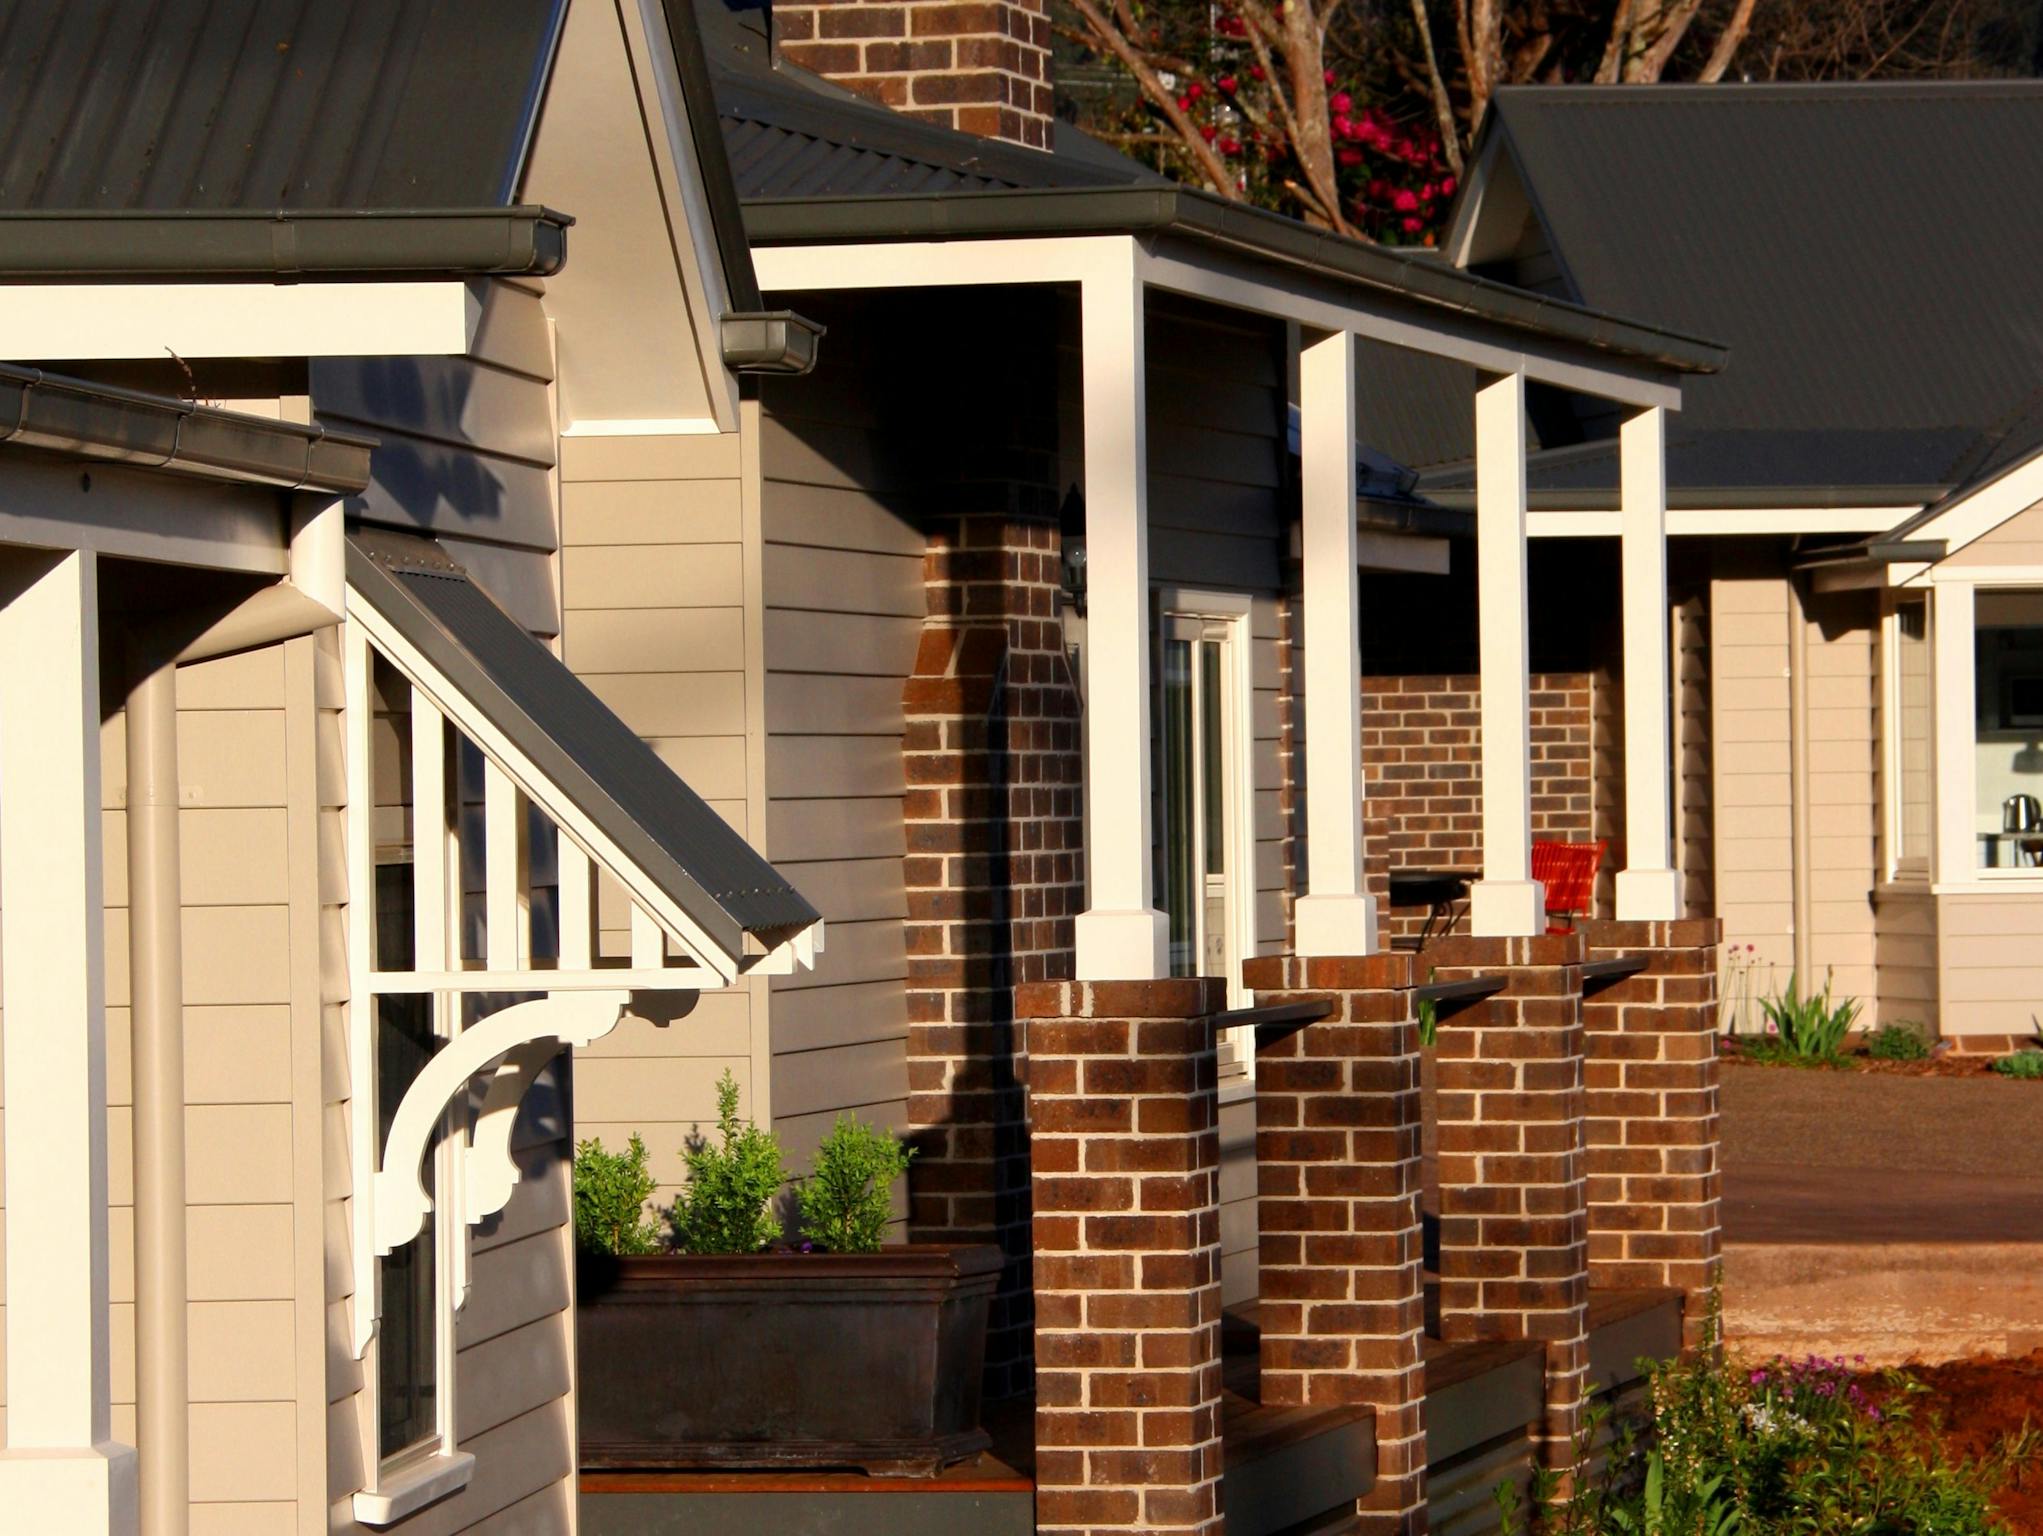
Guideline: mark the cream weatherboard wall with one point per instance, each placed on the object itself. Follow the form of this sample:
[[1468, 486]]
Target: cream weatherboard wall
[[1755, 723], [660, 551]]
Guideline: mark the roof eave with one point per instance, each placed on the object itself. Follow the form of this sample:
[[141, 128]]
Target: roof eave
[[119, 426], [124, 245], [1704, 498], [1250, 231]]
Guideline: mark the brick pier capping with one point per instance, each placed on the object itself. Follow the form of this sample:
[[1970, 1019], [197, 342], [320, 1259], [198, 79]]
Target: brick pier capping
[[1343, 1312], [1124, 1094], [1514, 1223], [1654, 1179]]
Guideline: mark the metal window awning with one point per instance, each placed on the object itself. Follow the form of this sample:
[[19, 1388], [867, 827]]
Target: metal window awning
[[705, 908]]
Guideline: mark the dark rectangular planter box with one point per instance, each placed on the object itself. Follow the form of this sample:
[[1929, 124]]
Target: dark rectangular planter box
[[869, 1360]]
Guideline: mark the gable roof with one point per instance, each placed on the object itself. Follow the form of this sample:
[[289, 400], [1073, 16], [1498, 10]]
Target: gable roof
[[1867, 251]]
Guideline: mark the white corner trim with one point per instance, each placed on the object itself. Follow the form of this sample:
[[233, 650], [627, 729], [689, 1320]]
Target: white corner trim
[[104, 321], [400, 1198], [1974, 516], [406, 1490]]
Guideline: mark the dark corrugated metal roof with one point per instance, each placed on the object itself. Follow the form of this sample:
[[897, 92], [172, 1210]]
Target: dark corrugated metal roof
[[1867, 252], [216, 104], [791, 134], [570, 735]]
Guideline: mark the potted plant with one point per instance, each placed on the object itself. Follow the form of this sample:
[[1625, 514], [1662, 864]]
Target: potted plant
[[735, 1348]]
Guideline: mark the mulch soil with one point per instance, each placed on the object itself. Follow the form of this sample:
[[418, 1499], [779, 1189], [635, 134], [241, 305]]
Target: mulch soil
[[1980, 1404]]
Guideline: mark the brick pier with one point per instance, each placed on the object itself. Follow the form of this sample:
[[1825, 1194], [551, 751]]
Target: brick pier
[[1654, 1185], [1124, 1104], [1337, 1163], [1514, 1226]]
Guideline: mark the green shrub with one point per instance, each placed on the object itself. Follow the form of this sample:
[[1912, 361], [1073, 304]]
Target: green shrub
[[611, 1190], [1808, 1028], [727, 1206], [2023, 1064], [844, 1201], [1898, 1042]]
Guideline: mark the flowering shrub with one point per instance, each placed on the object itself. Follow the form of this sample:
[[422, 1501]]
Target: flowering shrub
[[1785, 1446]]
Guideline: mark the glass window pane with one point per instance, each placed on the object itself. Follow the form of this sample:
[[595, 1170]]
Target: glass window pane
[[1175, 844], [1914, 740], [407, 1351], [2008, 728]]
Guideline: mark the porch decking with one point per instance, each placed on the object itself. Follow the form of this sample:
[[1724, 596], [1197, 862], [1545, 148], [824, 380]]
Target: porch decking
[[1285, 1467]]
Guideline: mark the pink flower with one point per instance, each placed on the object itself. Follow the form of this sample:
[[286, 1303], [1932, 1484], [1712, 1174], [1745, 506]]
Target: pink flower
[[1342, 103], [1343, 129], [1447, 186], [1230, 146], [1427, 192], [1184, 103], [1330, 77], [1405, 201], [1255, 71], [1227, 83], [1206, 131], [1348, 156], [1379, 189], [1195, 90], [1413, 226]]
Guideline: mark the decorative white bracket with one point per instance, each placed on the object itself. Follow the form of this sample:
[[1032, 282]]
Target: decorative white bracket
[[527, 1036]]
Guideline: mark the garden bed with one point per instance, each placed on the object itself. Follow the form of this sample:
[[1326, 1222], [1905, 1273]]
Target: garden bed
[[1982, 1403], [1736, 1050]]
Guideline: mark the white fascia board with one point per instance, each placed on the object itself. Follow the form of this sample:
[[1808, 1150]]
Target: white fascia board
[[132, 514], [1974, 516], [1320, 304], [108, 321], [1416, 554], [1723, 521]]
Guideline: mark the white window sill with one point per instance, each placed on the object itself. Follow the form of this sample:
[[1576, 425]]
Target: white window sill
[[1236, 1089], [408, 1488]]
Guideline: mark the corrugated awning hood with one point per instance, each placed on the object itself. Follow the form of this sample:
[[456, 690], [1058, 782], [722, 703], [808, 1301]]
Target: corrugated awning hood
[[696, 858]]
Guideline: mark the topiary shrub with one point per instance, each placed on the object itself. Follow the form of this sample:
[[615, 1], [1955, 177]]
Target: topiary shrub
[[1900, 1041], [611, 1190], [726, 1207], [844, 1202]]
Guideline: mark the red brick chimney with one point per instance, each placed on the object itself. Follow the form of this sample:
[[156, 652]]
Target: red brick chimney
[[982, 66]]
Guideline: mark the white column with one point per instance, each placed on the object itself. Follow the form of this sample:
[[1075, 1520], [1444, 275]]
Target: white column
[[1336, 916], [61, 1473], [1121, 936], [1957, 780], [1647, 887], [1507, 901]]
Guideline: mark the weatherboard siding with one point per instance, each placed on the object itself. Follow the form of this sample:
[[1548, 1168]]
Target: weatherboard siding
[[1844, 793], [844, 601], [2018, 541], [655, 564], [466, 448], [1990, 956]]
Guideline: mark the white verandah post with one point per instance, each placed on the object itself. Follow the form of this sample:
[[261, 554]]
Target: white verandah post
[[1121, 936], [1337, 915], [1648, 888], [1507, 901], [61, 1472]]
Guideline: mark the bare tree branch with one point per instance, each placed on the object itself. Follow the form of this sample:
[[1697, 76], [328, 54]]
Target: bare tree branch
[[1612, 65], [1210, 164], [1443, 104], [1729, 41]]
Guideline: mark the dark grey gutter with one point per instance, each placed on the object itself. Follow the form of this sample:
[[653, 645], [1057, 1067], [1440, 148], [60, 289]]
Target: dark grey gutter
[[285, 243], [121, 426], [1214, 221], [1875, 552], [1414, 517], [1703, 498]]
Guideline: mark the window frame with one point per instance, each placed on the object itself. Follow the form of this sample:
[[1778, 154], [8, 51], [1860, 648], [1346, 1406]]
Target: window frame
[[1896, 867]]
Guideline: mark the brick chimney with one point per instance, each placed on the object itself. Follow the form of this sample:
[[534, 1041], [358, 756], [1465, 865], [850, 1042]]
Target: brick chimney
[[982, 66]]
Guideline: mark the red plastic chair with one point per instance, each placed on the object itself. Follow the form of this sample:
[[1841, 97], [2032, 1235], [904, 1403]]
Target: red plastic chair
[[1568, 871]]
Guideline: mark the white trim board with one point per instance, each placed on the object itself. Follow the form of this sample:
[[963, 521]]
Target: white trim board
[[101, 321], [1722, 521]]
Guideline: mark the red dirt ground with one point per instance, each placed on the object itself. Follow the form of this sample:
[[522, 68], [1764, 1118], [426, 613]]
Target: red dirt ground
[[1981, 1402]]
